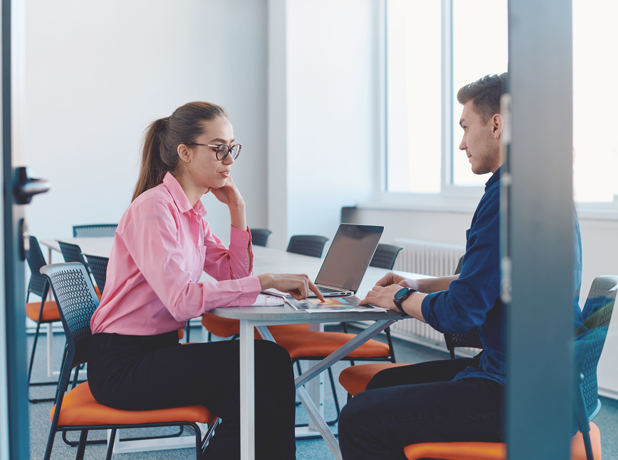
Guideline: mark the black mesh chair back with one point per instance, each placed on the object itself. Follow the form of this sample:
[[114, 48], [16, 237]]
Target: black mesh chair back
[[76, 301], [468, 340], [589, 344], [385, 256], [98, 268], [71, 252], [38, 283], [94, 230], [308, 245], [259, 236]]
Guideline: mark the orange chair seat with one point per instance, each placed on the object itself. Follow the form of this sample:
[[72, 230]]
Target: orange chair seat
[[301, 344], [226, 327], [355, 378], [50, 311], [493, 450], [80, 408]]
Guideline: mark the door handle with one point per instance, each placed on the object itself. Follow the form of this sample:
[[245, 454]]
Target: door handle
[[26, 186]]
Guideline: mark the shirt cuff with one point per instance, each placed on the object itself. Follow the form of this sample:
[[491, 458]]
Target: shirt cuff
[[251, 287], [240, 237]]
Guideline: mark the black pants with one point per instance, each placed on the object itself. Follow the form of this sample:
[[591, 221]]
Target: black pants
[[420, 403], [156, 372]]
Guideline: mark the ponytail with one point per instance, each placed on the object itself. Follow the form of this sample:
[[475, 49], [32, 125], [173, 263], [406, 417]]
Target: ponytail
[[159, 155], [152, 169]]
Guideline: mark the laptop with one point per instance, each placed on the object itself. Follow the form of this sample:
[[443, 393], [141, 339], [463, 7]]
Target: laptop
[[347, 260]]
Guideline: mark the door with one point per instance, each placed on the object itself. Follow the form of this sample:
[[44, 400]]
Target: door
[[18, 190]]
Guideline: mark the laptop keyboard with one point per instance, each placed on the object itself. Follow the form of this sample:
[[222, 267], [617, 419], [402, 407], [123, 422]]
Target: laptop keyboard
[[326, 290]]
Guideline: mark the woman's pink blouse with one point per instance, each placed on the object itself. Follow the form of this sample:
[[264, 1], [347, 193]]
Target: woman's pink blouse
[[161, 246]]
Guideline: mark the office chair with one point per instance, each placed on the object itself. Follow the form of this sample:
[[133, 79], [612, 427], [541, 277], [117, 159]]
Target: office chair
[[44, 312], [259, 236], [77, 410], [98, 267], [308, 245], [73, 253], [94, 230], [586, 444], [385, 256]]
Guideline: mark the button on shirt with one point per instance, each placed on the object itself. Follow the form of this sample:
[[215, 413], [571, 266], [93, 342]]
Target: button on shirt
[[473, 300], [161, 246]]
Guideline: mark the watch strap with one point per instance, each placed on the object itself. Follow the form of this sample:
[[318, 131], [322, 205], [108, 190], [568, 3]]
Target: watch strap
[[399, 301]]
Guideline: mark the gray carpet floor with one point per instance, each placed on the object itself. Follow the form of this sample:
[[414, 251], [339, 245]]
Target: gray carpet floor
[[315, 449]]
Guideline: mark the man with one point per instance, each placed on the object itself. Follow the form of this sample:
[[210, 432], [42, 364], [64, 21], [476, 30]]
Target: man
[[450, 400]]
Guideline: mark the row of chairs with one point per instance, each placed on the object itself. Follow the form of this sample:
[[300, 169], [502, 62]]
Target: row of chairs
[[46, 312], [313, 246]]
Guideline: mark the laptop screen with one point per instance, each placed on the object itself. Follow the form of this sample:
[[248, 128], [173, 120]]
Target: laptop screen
[[349, 256]]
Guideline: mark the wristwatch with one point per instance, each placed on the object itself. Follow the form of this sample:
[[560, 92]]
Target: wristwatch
[[401, 295]]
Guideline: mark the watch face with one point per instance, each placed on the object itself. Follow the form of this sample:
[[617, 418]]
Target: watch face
[[400, 293]]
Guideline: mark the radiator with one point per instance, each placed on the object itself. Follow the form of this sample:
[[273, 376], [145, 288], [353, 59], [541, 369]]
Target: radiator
[[427, 258]]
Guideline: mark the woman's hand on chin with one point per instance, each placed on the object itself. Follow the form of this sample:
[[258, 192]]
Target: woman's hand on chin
[[229, 194], [298, 286]]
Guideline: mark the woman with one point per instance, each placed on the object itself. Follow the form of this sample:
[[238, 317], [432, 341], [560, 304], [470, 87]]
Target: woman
[[161, 246]]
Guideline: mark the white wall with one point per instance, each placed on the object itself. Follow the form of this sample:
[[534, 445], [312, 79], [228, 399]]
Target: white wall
[[326, 77], [98, 72]]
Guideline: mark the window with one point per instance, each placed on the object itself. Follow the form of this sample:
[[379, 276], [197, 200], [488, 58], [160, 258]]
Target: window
[[434, 48], [595, 100]]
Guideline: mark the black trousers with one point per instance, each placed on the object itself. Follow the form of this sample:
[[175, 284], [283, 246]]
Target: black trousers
[[156, 372], [420, 403]]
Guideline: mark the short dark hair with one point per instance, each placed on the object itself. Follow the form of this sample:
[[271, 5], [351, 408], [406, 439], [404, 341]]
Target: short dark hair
[[485, 94]]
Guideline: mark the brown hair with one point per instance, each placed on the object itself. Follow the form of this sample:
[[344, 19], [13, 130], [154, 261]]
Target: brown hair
[[485, 94], [163, 137]]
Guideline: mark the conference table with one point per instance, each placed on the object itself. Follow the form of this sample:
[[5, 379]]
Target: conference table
[[268, 260]]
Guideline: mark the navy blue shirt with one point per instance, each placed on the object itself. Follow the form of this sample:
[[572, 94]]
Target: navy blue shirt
[[473, 300]]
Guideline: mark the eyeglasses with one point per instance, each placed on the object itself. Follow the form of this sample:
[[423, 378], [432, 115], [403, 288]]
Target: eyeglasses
[[222, 150]]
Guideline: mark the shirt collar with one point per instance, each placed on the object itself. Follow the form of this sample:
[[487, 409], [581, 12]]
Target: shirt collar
[[495, 177], [179, 197]]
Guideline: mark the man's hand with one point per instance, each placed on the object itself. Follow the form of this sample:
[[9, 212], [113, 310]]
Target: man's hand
[[392, 278], [382, 296]]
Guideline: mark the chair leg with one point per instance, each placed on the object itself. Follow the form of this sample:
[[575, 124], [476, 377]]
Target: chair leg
[[36, 338], [335, 398], [345, 329], [50, 443], [209, 435], [587, 445], [110, 444], [81, 449], [390, 343], [34, 401]]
